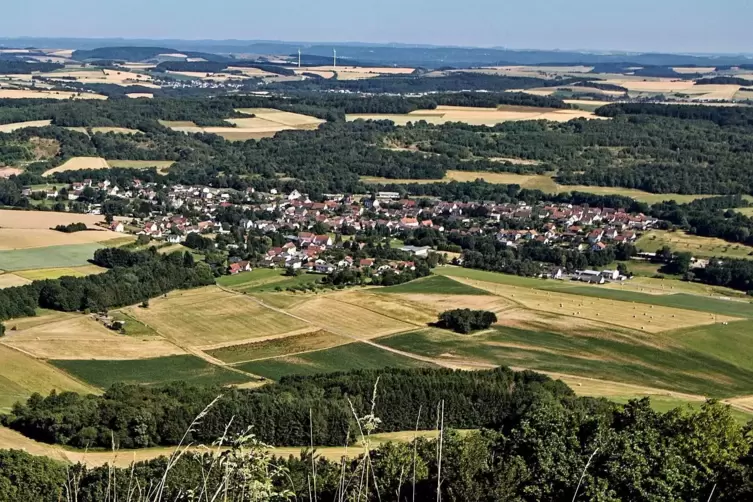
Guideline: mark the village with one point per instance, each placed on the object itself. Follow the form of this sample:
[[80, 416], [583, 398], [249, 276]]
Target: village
[[313, 228]]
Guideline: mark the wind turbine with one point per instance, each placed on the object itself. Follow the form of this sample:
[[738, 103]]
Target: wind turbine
[[299, 58], [334, 55]]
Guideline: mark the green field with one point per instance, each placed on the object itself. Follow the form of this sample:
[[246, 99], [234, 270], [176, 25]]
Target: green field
[[664, 404], [159, 370], [73, 255], [683, 301], [435, 284], [265, 280], [347, 357], [680, 367]]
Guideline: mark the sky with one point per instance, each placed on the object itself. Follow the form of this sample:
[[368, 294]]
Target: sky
[[698, 26]]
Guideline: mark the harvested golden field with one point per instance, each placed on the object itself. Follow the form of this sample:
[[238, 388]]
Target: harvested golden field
[[544, 183], [12, 280], [347, 319], [137, 95], [697, 245], [7, 172], [210, 316], [80, 337], [55, 273], [17, 238], [394, 306], [282, 117], [641, 317], [40, 94], [478, 116], [79, 163], [141, 164], [22, 375], [45, 219], [435, 304], [119, 130], [714, 92], [10, 439], [22, 125]]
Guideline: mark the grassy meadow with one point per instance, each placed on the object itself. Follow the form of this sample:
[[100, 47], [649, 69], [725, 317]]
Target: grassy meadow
[[158, 370], [699, 246], [355, 355], [73, 255]]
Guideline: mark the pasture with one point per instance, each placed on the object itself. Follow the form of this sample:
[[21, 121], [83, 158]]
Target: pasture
[[265, 280], [159, 370], [355, 355], [22, 375], [661, 363], [208, 317], [696, 245], [434, 284]]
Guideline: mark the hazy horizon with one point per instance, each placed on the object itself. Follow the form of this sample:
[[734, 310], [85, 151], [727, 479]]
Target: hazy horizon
[[677, 26]]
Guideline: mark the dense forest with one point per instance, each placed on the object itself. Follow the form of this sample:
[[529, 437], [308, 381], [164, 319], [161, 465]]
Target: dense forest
[[550, 452], [656, 148], [133, 277], [139, 417], [13, 67]]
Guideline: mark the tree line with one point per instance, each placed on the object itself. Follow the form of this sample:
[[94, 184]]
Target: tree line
[[551, 452], [282, 414], [145, 275]]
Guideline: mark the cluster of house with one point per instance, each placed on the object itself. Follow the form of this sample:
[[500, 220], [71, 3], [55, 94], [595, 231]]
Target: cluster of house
[[564, 225], [305, 251], [576, 226]]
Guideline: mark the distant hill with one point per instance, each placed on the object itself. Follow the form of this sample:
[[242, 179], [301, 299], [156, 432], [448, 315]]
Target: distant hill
[[130, 53]]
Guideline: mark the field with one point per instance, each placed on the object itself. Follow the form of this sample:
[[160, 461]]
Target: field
[[72, 255], [544, 183], [697, 245], [277, 347], [79, 337], [22, 125], [478, 116], [45, 219], [352, 72], [10, 439], [44, 94], [343, 318], [21, 376], [209, 316], [265, 280], [12, 280], [54, 273], [435, 284], [161, 165], [266, 123], [356, 355], [158, 370]]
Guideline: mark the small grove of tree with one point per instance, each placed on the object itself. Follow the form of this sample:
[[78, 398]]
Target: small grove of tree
[[71, 227], [466, 320]]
